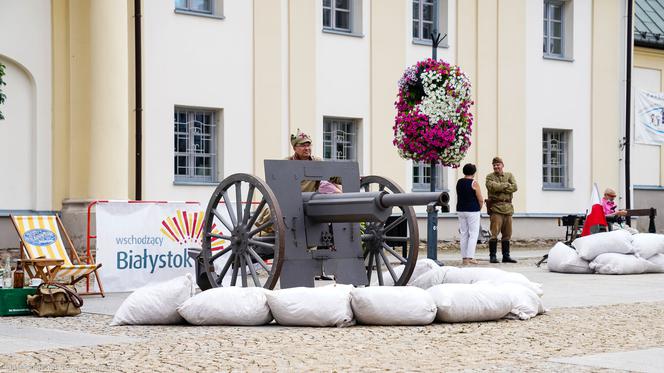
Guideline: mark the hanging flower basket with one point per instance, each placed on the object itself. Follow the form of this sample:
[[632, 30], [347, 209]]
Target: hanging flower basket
[[433, 121]]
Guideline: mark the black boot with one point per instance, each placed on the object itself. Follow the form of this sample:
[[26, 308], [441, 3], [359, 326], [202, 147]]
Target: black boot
[[505, 247], [493, 249]]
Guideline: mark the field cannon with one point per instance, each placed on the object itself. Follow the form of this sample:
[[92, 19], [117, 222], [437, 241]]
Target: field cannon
[[352, 236]]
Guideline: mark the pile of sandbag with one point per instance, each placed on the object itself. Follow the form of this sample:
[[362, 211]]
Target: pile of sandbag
[[616, 253], [444, 294]]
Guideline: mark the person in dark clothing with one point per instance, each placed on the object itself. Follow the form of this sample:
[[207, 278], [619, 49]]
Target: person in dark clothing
[[469, 204]]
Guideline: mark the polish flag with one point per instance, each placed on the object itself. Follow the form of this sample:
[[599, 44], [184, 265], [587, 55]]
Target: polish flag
[[596, 216]]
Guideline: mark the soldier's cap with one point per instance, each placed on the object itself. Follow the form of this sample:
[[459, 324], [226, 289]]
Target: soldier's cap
[[299, 138], [497, 160]]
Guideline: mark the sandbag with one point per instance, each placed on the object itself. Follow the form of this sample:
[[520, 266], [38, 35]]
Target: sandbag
[[647, 245], [422, 266], [656, 263], [433, 277], [470, 302], [155, 303], [619, 264], [565, 259], [227, 306], [321, 306], [393, 305], [589, 247], [495, 275], [525, 303]]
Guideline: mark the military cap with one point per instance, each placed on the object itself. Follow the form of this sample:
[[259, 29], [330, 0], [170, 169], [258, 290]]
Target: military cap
[[299, 138]]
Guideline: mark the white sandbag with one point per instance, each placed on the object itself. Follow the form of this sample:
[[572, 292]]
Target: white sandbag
[[589, 247], [155, 303], [657, 259], [321, 306], [434, 277], [422, 266], [525, 303], [656, 263], [565, 259], [227, 306], [393, 305], [619, 264], [470, 302], [647, 245], [495, 275]]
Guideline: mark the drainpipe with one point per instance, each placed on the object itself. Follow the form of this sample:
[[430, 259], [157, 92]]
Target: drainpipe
[[139, 99], [628, 103]]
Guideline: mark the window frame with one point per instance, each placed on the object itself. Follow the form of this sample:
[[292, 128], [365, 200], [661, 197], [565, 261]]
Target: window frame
[[190, 153], [215, 11], [443, 24], [333, 20], [188, 7], [333, 142], [420, 20], [563, 166], [548, 21], [425, 186]]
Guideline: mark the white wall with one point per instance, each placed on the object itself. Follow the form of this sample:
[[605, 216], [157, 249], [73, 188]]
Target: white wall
[[199, 62], [342, 80], [645, 166], [25, 134], [558, 97]]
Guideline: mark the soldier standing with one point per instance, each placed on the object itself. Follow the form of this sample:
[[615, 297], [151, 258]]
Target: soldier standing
[[500, 186]]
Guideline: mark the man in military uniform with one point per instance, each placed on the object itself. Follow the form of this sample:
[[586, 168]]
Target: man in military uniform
[[301, 143], [500, 186]]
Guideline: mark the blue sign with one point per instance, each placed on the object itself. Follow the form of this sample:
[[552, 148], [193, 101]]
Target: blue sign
[[40, 237]]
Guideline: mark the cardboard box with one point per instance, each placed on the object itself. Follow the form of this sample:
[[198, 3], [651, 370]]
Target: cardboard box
[[13, 302]]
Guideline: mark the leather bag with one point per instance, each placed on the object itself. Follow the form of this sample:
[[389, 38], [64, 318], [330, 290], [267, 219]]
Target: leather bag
[[55, 300]]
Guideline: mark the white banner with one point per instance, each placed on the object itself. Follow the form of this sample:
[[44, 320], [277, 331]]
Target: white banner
[[142, 243], [649, 124]]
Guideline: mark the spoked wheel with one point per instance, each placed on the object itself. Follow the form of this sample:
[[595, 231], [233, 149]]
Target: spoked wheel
[[244, 228], [385, 248]]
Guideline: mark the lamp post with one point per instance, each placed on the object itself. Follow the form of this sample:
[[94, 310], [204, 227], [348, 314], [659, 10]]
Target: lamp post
[[432, 210]]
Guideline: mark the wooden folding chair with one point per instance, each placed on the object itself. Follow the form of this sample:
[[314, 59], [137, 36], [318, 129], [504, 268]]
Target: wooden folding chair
[[44, 254]]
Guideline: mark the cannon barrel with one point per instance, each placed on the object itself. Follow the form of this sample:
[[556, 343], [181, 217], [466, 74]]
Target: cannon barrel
[[414, 199], [363, 206]]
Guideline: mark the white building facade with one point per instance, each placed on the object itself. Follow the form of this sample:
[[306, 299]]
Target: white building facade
[[224, 82]]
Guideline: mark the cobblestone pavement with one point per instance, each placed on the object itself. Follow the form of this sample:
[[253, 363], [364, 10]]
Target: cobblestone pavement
[[490, 346]]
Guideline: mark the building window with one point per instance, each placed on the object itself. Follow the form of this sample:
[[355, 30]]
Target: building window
[[203, 8], [195, 136], [558, 29], [337, 15], [198, 6], [422, 177], [340, 139], [423, 20], [555, 158]]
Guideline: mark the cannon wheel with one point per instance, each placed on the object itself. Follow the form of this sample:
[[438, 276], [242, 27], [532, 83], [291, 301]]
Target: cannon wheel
[[376, 238], [231, 217]]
